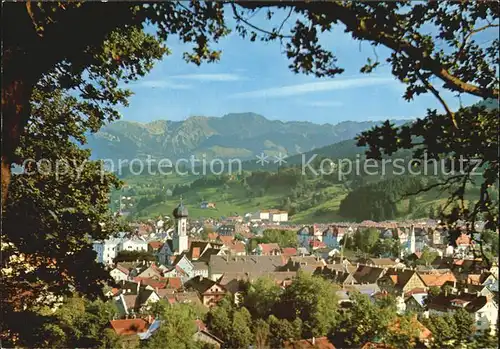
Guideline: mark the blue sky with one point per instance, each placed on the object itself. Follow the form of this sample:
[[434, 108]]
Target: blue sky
[[254, 77]]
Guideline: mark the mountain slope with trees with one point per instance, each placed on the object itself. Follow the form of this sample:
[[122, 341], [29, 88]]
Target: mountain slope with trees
[[241, 135]]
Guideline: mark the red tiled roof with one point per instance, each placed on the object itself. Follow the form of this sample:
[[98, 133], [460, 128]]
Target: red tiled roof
[[289, 251], [268, 248], [424, 332], [155, 245], [129, 326], [237, 246], [175, 283], [153, 282], [415, 291], [226, 240], [317, 244], [463, 239], [437, 279]]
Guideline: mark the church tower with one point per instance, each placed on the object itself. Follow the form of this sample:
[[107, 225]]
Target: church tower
[[180, 238], [412, 240]]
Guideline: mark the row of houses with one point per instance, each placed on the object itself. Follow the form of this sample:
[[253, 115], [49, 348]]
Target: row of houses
[[209, 270]]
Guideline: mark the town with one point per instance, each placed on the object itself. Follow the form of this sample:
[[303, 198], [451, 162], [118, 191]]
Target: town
[[202, 262]]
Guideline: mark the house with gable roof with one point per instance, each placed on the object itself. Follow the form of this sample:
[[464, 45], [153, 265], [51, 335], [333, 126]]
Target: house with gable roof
[[270, 249], [129, 330], [210, 291], [483, 309], [401, 281], [203, 335], [416, 302], [119, 273]]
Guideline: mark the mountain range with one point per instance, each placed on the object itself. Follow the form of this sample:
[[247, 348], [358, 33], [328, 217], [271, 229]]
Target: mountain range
[[237, 135]]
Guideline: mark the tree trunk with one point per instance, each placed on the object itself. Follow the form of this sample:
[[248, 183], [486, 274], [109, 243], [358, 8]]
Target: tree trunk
[[16, 95]]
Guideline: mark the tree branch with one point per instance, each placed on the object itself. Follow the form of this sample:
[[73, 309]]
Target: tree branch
[[277, 34], [438, 96], [468, 36], [432, 186], [367, 28]]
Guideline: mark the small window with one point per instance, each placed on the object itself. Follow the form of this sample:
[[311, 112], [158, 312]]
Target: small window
[[479, 323]]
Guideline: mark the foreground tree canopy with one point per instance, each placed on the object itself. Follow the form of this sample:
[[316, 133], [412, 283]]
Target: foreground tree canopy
[[64, 65]]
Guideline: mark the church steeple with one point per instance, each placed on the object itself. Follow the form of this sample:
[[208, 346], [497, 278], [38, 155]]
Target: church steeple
[[180, 238], [412, 240]]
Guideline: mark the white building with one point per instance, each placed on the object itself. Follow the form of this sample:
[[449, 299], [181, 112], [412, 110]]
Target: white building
[[278, 216], [264, 215], [107, 250], [273, 215], [135, 244], [486, 317], [119, 274]]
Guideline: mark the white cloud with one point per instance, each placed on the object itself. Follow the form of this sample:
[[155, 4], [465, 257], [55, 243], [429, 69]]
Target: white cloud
[[323, 103], [209, 77], [294, 90], [159, 84]]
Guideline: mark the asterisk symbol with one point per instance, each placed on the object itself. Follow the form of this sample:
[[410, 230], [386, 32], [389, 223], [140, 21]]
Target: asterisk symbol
[[280, 159], [262, 159]]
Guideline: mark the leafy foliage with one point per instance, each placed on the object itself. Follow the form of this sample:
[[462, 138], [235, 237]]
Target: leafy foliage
[[76, 322], [177, 327], [450, 330], [132, 256]]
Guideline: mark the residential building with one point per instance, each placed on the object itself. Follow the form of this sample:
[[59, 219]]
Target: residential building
[[368, 275], [304, 236], [271, 249], [155, 246], [150, 271], [133, 244], [219, 265], [206, 204], [129, 330], [203, 335], [200, 269], [416, 302], [278, 216], [107, 250], [119, 273], [436, 278], [483, 310], [226, 230], [383, 263], [401, 281], [289, 251], [210, 291]]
